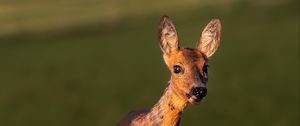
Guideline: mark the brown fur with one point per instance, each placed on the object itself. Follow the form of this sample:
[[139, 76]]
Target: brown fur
[[177, 95]]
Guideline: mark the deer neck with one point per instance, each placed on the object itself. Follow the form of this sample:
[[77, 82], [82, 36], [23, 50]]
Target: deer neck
[[167, 111]]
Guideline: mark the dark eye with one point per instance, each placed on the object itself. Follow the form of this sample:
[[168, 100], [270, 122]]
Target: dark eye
[[205, 69], [177, 69]]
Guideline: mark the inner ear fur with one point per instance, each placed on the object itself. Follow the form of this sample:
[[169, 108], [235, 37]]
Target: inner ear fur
[[168, 38], [210, 38]]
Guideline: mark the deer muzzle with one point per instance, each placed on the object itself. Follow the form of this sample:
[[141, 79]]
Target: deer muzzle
[[199, 92]]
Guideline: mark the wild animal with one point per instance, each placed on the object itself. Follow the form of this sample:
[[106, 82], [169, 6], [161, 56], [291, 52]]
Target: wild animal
[[189, 75]]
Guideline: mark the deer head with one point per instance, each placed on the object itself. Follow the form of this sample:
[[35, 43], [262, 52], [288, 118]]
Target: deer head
[[189, 66]]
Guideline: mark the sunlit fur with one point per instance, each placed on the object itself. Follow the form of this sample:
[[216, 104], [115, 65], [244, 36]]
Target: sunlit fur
[[177, 95]]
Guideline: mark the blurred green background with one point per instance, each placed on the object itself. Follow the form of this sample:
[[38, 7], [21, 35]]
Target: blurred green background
[[89, 62]]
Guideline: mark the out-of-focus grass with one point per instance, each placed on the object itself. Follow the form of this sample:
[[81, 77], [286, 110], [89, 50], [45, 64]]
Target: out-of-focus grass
[[94, 74], [36, 15]]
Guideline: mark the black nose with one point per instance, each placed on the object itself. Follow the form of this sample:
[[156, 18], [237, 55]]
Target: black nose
[[200, 92]]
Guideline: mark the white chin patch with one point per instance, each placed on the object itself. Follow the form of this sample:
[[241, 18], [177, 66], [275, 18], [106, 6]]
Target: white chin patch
[[195, 100]]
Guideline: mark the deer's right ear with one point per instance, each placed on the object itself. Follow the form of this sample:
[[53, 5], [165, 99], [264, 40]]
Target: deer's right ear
[[167, 36], [210, 38]]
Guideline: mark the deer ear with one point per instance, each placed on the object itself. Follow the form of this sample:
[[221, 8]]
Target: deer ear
[[167, 35], [210, 38]]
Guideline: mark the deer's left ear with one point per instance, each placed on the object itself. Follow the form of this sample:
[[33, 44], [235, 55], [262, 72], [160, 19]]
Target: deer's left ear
[[167, 35], [210, 38]]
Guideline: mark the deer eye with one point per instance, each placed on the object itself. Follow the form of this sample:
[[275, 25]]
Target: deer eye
[[177, 69], [205, 69]]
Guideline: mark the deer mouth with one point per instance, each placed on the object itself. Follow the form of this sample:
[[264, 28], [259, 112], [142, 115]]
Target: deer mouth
[[198, 99], [194, 99]]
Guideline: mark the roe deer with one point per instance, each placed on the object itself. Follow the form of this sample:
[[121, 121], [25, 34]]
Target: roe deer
[[189, 75]]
